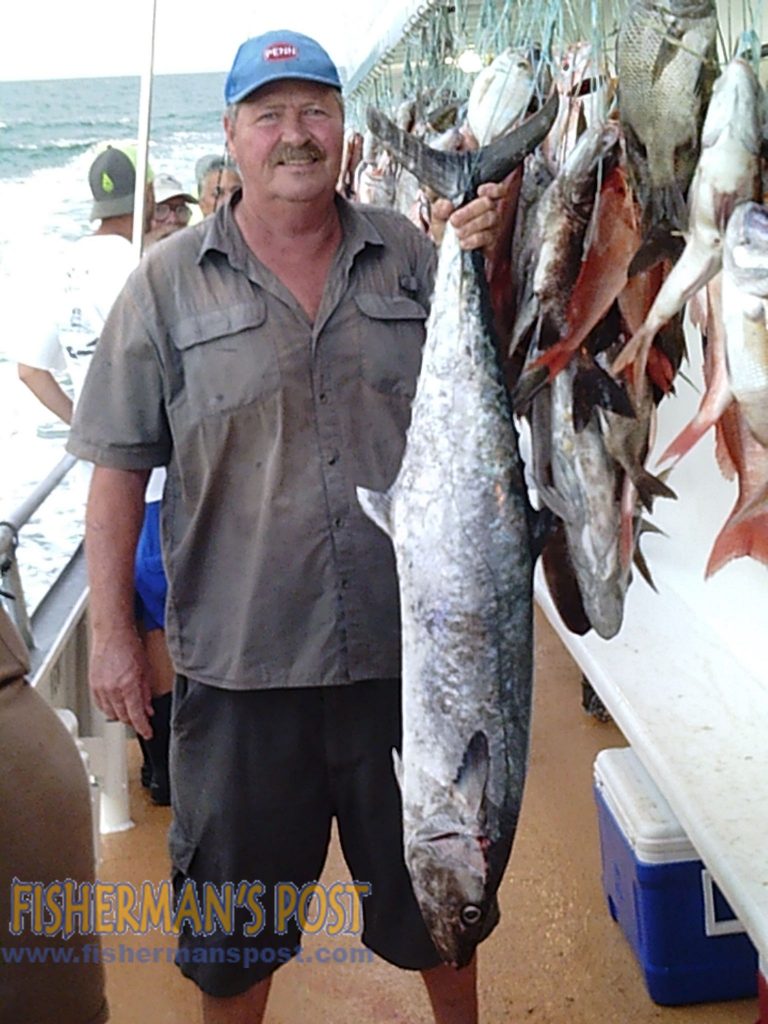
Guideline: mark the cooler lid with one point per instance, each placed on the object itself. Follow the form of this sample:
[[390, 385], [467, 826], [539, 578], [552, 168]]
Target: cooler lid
[[644, 816]]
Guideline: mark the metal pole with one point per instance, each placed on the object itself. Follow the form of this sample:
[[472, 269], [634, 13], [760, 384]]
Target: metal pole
[[142, 144]]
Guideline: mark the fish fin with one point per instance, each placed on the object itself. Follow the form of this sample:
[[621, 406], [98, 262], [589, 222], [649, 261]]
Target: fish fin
[[661, 243], [472, 777], [529, 384], [739, 539], [377, 505], [593, 386], [650, 487], [645, 526], [397, 766], [494, 162], [553, 500], [556, 357], [447, 173], [541, 526], [636, 349], [453, 174], [562, 585], [642, 568], [661, 371], [684, 441]]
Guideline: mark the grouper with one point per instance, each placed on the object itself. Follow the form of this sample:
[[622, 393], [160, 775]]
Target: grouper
[[459, 520]]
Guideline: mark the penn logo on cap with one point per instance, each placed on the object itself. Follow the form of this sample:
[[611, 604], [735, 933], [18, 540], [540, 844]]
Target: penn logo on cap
[[275, 56], [281, 51]]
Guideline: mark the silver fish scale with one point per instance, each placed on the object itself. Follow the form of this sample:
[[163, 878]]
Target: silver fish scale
[[461, 540]]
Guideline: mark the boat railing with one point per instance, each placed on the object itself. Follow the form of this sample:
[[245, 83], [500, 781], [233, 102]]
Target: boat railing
[[12, 585], [56, 635]]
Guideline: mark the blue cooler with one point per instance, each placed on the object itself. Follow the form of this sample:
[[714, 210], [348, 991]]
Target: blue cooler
[[689, 944]]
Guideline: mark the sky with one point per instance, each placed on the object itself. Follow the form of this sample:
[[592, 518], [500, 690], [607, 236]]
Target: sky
[[92, 38]]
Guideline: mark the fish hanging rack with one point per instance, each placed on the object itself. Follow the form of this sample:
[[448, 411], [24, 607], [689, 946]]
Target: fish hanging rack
[[429, 52]]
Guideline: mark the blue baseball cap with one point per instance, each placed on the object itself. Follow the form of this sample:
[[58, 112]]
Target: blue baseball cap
[[275, 56]]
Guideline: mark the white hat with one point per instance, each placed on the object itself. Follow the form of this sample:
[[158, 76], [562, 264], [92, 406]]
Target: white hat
[[167, 187]]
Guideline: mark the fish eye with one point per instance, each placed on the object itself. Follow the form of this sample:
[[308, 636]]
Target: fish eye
[[471, 914]]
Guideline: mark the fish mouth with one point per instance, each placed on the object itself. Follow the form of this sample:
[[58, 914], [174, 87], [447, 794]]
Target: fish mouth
[[457, 949], [754, 233], [747, 254]]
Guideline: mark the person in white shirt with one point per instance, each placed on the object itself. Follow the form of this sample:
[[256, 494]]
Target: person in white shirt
[[60, 334]]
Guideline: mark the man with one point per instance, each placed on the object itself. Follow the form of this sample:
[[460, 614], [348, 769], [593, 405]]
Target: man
[[268, 356], [171, 210], [47, 838], [94, 272], [61, 333], [217, 178]]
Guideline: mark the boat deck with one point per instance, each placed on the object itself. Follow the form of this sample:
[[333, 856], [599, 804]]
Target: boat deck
[[557, 956]]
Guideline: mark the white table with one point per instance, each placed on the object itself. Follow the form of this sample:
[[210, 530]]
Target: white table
[[686, 679]]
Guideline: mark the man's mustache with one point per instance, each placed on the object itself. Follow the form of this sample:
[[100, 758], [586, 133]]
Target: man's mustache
[[286, 153]]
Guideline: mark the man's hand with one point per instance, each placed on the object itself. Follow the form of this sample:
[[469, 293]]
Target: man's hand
[[476, 224], [119, 679], [119, 671]]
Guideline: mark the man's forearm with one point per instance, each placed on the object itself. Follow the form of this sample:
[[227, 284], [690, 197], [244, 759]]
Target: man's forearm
[[47, 390], [113, 521]]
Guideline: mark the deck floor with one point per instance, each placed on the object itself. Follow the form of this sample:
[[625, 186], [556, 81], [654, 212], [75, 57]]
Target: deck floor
[[556, 957]]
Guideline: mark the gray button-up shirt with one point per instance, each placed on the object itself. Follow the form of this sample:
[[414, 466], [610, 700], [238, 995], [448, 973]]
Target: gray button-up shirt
[[267, 423]]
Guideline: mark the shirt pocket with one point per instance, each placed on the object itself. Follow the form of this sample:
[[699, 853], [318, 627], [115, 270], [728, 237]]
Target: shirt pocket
[[228, 359], [392, 336]]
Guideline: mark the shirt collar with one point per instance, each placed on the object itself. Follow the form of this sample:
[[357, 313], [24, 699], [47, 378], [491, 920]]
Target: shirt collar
[[221, 233]]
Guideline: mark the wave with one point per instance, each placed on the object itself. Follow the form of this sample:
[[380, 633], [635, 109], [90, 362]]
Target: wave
[[76, 145]]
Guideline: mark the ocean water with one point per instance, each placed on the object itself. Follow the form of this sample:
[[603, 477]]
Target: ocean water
[[48, 134]]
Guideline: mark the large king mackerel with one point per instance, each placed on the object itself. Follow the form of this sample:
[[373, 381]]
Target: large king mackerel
[[458, 518]]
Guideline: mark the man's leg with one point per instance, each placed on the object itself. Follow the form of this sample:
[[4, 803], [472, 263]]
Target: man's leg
[[452, 993], [247, 1008], [251, 801]]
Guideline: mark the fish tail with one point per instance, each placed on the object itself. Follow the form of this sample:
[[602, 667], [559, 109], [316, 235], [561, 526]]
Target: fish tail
[[739, 539], [594, 388], [446, 172], [661, 370], [555, 359], [685, 440], [662, 242], [636, 348], [669, 209], [455, 174]]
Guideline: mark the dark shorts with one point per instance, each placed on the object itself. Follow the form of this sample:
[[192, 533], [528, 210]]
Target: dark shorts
[[150, 581], [257, 778]]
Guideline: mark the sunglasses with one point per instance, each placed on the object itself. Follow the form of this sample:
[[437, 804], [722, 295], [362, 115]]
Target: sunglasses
[[164, 211]]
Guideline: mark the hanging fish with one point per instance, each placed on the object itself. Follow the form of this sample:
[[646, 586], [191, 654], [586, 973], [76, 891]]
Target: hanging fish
[[588, 481], [745, 531], [666, 63], [728, 173], [745, 313], [502, 93], [614, 238], [458, 516]]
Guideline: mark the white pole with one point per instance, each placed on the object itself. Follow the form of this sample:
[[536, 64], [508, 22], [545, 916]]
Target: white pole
[[115, 813], [115, 804], [145, 115]]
